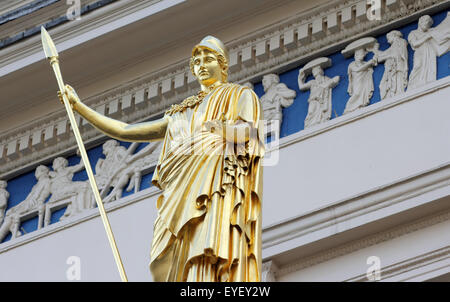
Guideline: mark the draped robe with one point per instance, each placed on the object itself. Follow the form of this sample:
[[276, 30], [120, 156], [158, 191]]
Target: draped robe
[[360, 86], [425, 62], [425, 55], [319, 109], [209, 214], [395, 76]]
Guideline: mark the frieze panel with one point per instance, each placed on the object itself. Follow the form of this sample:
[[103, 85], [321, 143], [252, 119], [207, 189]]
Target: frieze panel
[[57, 188], [267, 51]]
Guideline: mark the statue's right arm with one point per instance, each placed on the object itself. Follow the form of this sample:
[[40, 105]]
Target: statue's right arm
[[139, 132], [301, 81]]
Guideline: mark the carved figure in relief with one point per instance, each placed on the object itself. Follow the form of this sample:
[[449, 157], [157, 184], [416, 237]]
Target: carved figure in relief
[[129, 170], [62, 186], [360, 80], [395, 58], [34, 201], [427, 43], [276, 97], [105, 168], [319, 109], [4, 195]]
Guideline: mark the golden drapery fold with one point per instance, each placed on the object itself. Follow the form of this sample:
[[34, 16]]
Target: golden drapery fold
[[209, 214]]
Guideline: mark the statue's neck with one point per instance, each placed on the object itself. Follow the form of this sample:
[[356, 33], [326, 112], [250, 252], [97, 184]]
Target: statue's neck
[[209, 88]]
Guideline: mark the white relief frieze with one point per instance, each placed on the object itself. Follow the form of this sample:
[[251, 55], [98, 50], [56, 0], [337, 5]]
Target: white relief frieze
[[32, 205], [427, 43], [121, 166], [276, 97], [319, 109], [4, 196], [296, 34], [360, 79], [63, 187], [395, 58]]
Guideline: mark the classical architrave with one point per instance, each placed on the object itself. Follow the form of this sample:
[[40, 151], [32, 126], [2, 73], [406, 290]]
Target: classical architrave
[[278, 47], [414, 269], [350, 213], [391, 271], [269, 270]]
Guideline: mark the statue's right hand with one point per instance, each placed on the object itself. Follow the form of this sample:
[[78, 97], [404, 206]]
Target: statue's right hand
[[70, 94], [301, 73]]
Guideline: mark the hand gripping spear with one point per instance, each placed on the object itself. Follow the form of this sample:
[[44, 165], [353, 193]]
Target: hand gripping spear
[[52, 55]]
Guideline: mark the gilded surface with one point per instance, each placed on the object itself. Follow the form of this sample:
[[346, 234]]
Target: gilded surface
[[209, 214]]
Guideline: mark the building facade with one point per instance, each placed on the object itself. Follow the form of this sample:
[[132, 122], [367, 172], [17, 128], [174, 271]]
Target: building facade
[[355, 94]]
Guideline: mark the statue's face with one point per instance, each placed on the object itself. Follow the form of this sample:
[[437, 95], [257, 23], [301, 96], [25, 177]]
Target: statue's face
[[317, 71], [266, 82], [390, 38], [269, 80], [59, 163], [206, 67], [41, 172], [424, 23], [360, 54], [106, 149]]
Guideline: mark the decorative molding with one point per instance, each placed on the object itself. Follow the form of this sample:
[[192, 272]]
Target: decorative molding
[[269, 271], [380, 237], [350, 213], [276, 48], [403, 268]]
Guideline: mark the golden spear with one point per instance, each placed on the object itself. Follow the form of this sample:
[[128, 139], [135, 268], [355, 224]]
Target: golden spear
[[52, 54]]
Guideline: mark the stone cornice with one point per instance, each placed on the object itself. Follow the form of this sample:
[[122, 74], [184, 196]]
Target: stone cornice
[[371, 240], [275, 48], [350, 213], [407, 270], [65, 36]]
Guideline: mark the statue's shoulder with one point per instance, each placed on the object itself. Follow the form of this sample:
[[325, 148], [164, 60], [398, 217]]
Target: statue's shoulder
[[232, 86], [240, 88], [281, 86]]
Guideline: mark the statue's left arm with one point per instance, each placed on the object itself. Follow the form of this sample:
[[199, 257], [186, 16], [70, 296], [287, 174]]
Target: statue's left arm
[[240, 130]]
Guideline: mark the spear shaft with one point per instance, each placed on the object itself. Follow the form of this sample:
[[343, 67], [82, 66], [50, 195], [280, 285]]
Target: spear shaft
[[52, 55]]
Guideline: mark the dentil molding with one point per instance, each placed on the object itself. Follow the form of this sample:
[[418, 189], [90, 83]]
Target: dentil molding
[[273, 49]]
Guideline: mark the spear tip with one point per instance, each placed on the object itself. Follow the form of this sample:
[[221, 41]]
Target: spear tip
[[48, 45]]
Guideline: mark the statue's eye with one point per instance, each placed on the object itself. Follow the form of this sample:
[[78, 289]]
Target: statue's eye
[[197, 61]]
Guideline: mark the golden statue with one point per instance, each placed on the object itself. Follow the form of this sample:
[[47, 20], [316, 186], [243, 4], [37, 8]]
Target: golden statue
[[209, 213]]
